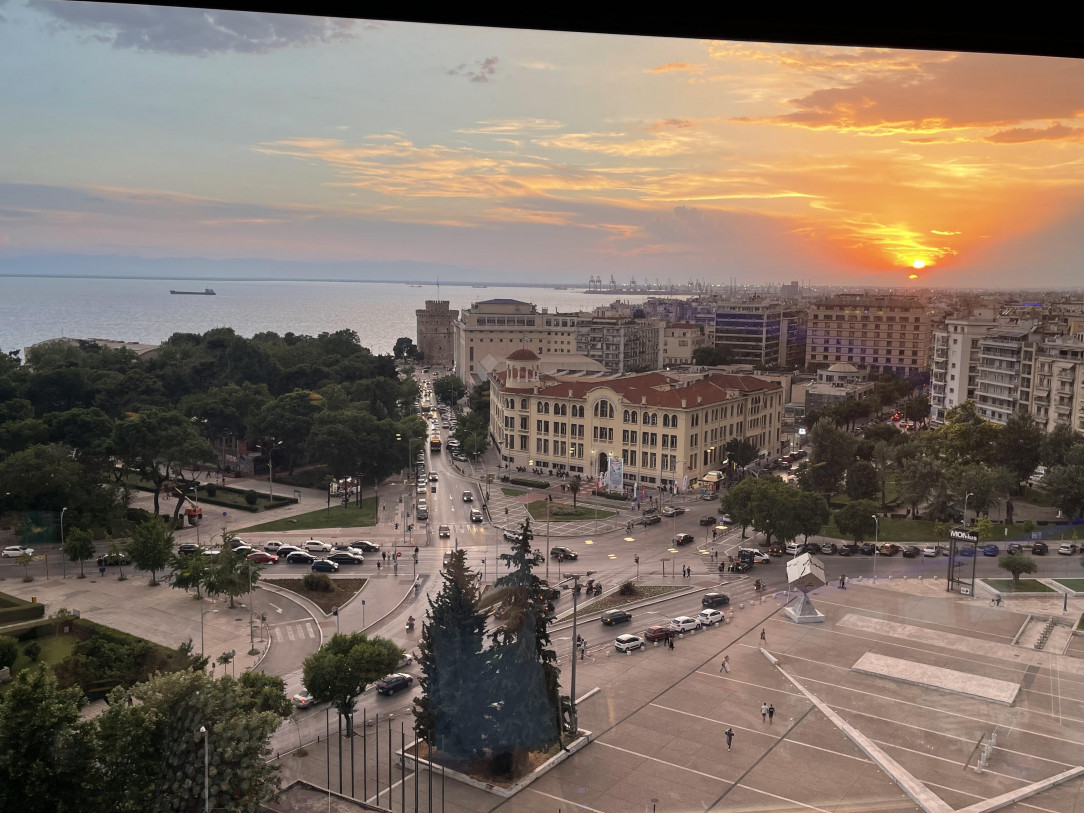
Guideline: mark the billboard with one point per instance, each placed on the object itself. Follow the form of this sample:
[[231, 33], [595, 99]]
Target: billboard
[[617, 475]]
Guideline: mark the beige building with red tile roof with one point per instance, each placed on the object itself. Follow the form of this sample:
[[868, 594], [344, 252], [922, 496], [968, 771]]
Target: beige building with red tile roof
[[657, 429]]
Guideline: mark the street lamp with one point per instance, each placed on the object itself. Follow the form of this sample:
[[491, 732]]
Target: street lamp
[[335, 612], [63, 558], [575, 639], [251, 618], [876, 539], [206, 771], [966, 498], [271, 468]]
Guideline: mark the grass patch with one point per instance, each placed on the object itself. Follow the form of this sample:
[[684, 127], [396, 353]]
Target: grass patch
[[225, 495], [1025, 586], [513, 492], [345, 589], [923, 530], [337, 517], [616, 600], [1076, 585], [564, 512]]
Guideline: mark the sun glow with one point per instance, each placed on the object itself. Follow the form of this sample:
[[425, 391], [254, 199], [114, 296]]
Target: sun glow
[[918, 264]]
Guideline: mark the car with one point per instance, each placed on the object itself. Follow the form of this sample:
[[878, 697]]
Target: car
[[468, 496], [432, 477], [325, 566], [316, 546], [709, 618], [672, 510], [444, 531], [684, 624], [888, 549], [811, 547], [714, 600], [848, 549], [302, 699], [262, 558], [1015, 547], [991, 550], [1066, 549], [910, 551], [561, 552], [345, 557], [793, 548], [243, 550], [511, 536], [1039, 548], [272, 546], [421, 490], [931, 550], [15, 551], [286, 550], [394, 683], [186, 548], [868, 549], [657, 633], [741, 567], [708, 496], [757, 557], [110, 559], [238, 542], [650, 519], [776, 550], [829, 548], [726, 519], [547, 593], [682, 539], [475, 515], [707, 520], [627, 643], [615, 617], [299, 557], [365, 546], [462, 458], [406, 660]]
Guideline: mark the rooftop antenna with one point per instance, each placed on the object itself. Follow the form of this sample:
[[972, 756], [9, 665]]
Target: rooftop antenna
[[438, 287]]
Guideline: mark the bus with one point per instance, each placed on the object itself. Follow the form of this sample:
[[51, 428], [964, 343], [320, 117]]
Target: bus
[[434, 442]]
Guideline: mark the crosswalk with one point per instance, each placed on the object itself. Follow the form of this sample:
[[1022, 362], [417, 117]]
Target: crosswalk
[[296, 631]]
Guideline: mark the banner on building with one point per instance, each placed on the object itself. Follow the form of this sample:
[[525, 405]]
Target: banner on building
[[617, 475]]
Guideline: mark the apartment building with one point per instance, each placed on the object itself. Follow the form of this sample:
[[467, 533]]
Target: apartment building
[[1006, 367], [621, 343], [679, 340], [762, 332], [1057, 393], [496, 327], [875, 332], [954, 374], [655, 429]]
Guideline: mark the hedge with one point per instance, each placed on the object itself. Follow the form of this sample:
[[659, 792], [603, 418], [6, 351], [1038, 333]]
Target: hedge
[[523, 481], [610, 495], [14, 609]]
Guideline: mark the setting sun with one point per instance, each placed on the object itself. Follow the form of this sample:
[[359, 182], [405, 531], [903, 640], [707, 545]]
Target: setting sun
[[918, 264]]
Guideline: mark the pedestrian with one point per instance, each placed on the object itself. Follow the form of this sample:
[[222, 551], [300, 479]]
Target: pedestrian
[[729, 737], [101, 570], [396, 565], [764, 712], [583, 648], [670, 640], [714, 533], [725, 666], [842, 581], [771, 713], [384, 555], [378, 565], [763, 637]]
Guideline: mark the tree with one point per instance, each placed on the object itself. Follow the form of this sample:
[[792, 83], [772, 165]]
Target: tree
[[1058, 443], [575, 482], [23, 560], [47, 754], [449, 389], [150, 546], [916, 479], [811, 512], [1017, 563], [78, 546], [831, 454], [404, 348], [1065, 486], [917, 409], [472, 432], [712, 356], [285, 423], [9, 651], [966, 436], [1019, 446], [856, 520], [772, 509], [862, 480], [230, 574], [450, 711], [883, 457], [741, 452], [738, 502], [342, 668], [983, 482], [189, 570]]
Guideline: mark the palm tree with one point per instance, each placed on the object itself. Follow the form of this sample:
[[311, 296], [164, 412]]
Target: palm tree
[[574, 487]]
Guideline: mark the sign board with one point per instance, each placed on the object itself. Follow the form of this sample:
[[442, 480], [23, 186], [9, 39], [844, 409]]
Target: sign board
[[617, 475], [965, 534], [965, 591], [1036, 535]]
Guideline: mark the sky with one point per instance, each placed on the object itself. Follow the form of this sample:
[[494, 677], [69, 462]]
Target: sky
[[156, 132]]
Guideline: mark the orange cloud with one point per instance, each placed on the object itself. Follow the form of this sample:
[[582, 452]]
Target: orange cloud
[[678, 67], [672, 124], [1020, 135]]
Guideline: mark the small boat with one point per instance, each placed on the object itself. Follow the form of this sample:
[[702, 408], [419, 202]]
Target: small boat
[[204, 292]]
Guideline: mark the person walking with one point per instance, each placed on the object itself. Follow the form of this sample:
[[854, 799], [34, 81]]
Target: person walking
[[670, 640], [842, 581], [771, 713], [729, 737], [763, 637], [764, 712], [384, 555], [583, 648], [725, 666]]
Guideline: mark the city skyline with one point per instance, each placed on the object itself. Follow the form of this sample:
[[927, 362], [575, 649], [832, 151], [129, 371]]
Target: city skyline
[[156, 132]]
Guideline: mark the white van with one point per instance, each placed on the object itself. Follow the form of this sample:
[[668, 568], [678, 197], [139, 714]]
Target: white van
[[757, 557], [793, 548]]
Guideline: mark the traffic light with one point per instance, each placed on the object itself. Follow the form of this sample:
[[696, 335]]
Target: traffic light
[[415, 550], [636, 558], [410, 527]]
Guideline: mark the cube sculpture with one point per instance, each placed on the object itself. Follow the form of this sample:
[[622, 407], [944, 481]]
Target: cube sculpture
[[805, 573]]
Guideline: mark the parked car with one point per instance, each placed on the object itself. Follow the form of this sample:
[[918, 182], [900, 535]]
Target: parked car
[[561, 552], [15, 551], [811, 547], [394, 683], [421, 489], [793, 549], [829, 548], [650, 519], [776, 550], [707, 520], [285, 551], [714, 600], [657, 633], [709, 618], [868, 549], [365, 546], [684, 624], [990, 550], [106, 560], [325, 566], [444, 531], [272, 546], [475, 515], [1039, 548], [848, 549], [511, 536], [316, 546], [462, 458], [186, 548], [888, 549], [910, 552], [262, 558], [931, 550], [302, 699], [345, 557], [468, 496], [299, 557], [965, 550], [1066, 549], [616, 617], [682, 539], [626, 643]]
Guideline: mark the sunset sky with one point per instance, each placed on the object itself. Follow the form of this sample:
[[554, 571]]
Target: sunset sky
[[157, 132]]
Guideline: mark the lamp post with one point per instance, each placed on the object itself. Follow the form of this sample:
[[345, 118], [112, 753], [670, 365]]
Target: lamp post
[[63, 558], [206, 771], [967, 496], [335, 612], [876, 539], [251, 616], [271, 468], [575, 639]]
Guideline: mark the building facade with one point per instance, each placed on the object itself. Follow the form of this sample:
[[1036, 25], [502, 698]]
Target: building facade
[[622, 344], [666, 430], [436, 332], [954, 371], [1006, 361], [762, 333], [1057, 393], [875, 332], [679, 340]]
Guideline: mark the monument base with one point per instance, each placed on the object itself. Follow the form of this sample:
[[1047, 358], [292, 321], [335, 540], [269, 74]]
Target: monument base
[[810, 616]]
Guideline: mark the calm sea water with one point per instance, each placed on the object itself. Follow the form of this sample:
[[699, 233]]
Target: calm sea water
[[137, 310]]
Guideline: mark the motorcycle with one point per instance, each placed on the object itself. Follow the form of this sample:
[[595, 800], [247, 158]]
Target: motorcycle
[[410, 623]]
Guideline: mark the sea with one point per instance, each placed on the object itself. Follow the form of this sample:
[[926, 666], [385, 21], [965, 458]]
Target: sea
[[33, 309]]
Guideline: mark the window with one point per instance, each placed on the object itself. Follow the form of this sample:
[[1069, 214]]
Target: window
[[604, 409]]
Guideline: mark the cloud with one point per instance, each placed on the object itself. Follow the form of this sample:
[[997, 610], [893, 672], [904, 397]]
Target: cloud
[[1020, 135], [938, 231], [510, 126], [678, 67], [672, 124], [192, 32], [479, 72]]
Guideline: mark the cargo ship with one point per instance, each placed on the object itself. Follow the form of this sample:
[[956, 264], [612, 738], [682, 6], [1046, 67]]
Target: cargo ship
[[204, 292]]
